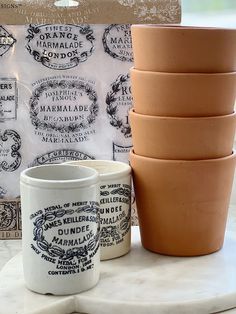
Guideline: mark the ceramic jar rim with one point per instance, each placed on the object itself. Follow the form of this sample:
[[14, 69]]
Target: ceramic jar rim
[[87, 177], [178, 74], [148, 117], [182, 27], [184, 161], [124, 170]]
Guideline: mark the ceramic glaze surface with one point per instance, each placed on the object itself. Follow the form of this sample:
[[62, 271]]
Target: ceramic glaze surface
[[156, 283], [115, 205], [60, 223]]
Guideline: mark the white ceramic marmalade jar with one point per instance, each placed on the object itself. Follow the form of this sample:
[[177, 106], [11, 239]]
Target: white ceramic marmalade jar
[[115, 205], [60, 228]]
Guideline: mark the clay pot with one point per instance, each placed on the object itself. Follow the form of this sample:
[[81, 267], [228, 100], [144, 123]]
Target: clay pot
[[183, 49], [182, 138], [183, 94], [182, 205]]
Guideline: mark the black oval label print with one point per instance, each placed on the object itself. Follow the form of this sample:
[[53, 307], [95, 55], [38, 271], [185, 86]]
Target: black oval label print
[[60, 47], [59, 156], [63, 105], [67, 236], [115, 213], [10, 156], [119, 102], [117, 42], [6, 41]]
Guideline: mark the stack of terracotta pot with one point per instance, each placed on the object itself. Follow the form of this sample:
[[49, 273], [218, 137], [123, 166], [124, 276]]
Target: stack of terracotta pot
[[183, 126]]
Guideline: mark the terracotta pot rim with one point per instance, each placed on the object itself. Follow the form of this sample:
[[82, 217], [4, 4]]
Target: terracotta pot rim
[[154, 73], [171, 161], [148, 117], [182, 27]]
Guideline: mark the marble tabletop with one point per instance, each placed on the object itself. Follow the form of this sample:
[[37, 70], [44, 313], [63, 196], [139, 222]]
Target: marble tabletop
[[8, 249], [140, 282]]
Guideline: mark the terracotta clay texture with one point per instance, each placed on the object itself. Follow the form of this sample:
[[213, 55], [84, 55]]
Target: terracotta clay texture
[[183, 94], [182, 138], [182, 205], [183, 49]]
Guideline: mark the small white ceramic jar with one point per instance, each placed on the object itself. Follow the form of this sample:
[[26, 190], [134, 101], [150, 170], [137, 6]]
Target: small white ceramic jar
[[115, 205], [60, 228]]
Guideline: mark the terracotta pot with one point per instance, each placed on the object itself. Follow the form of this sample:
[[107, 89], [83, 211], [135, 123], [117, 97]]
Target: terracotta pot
[[182, 205], [183, 49], [182, 138], [183, 94]]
